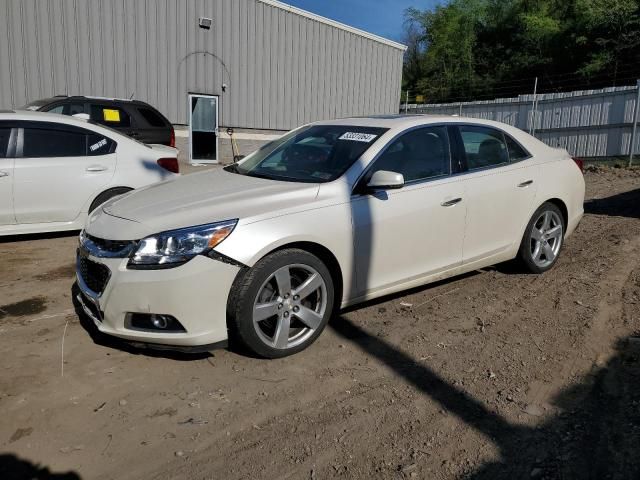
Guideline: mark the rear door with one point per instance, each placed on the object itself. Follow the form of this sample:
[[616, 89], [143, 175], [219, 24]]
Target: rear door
[[500, 186], [7, 149], [59, 170]]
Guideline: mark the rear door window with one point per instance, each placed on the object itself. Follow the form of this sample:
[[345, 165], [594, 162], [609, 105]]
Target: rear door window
[[67, 109], [483, 147], [42, 142], [151, 117], [111, 116], [99, 145], [516, 151]]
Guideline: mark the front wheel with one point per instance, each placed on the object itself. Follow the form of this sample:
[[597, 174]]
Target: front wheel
[[281, 305], [542, 239]]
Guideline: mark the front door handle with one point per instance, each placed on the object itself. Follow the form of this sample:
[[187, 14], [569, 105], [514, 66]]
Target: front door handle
[[525, 184], [451, 203], [4, 174], [96, 168]]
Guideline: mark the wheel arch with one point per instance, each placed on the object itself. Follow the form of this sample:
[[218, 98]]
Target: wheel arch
[[123, 188], [562, 206]]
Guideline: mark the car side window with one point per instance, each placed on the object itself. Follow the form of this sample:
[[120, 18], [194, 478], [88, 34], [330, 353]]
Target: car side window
[[418, 155], [110, 115], [42, 142], [5, 134], [151, 117], [516, 151], [99, 145], [67, 109], [483, 146]]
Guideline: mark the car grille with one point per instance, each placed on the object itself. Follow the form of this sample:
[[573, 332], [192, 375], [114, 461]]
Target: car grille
[[109, 248], [95, 275]]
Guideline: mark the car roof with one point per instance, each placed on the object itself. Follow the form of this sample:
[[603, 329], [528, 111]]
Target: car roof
[[405, 121], [28, 115], [57, 98]]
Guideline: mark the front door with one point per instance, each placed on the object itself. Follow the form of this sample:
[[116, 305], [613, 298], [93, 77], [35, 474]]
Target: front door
[[59, 171], [418, 230], [203, 128], [7, 216]]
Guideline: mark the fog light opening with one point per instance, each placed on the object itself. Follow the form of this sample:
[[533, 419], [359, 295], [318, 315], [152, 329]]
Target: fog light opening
[[153, 322]]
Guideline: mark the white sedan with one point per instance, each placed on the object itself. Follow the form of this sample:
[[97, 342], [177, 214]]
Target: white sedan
[[330, 215], [55, 169]]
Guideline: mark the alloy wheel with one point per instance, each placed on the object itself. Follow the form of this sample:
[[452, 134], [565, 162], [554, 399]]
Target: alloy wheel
[[546, 238], [290, 306]]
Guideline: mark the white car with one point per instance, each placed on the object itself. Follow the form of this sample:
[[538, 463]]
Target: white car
[[55, 169], [332, 214]]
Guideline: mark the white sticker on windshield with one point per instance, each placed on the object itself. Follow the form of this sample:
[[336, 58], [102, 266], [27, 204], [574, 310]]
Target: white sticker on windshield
[[357, 137], [97, 145]]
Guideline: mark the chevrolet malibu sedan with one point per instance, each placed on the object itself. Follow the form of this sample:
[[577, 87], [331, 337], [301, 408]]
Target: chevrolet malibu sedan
[[332, 214], [55, 169]]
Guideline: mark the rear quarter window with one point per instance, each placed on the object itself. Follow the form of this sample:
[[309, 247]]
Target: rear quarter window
[[151, 117]]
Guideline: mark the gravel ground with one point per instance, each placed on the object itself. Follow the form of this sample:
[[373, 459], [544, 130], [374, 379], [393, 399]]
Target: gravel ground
[[494, 374]]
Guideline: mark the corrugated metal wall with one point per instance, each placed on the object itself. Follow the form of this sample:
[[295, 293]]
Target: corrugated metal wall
[[281, 69], [592, 123]]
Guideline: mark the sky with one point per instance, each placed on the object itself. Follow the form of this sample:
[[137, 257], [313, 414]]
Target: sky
[[382, 17]]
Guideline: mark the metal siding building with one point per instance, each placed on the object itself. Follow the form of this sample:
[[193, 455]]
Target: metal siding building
[[282, 66]]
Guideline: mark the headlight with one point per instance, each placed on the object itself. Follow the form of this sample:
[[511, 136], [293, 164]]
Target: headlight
[[175, 247]]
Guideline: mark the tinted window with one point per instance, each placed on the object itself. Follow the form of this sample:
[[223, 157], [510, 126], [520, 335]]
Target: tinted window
[[67, 109], [99, 145], [110, 116], [40, 142], [417, 155], [484, 147], [5, 133], [151, 117], [516, 152]]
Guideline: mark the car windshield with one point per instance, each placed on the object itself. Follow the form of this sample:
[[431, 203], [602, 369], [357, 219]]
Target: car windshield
[[36, 104], [317, 153]]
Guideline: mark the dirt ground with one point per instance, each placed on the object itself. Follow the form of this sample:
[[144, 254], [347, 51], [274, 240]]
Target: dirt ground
[[492, 375]]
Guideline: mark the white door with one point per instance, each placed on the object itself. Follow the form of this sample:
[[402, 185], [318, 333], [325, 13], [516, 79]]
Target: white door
[[59, 171], [499, 191], [203, 128], [7, 216], [408, 233]]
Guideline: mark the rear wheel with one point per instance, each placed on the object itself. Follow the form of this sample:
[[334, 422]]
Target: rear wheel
[[108, 195], [543, 239], [282, 304]]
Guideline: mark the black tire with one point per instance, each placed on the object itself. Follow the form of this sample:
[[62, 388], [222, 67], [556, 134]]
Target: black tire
[[525, 256], [108, 195], [249, 285]]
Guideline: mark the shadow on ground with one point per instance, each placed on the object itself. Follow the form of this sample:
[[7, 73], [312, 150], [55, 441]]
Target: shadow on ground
[[620, 205], [14, 468], [596, 437]]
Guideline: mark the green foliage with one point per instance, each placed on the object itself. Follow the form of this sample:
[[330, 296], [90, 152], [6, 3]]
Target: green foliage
[[469, 49]]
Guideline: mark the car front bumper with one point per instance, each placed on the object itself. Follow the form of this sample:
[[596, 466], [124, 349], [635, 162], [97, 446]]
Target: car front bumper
[[195, 294]]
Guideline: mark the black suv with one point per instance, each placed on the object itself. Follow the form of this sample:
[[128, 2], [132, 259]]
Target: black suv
[[131, 117]]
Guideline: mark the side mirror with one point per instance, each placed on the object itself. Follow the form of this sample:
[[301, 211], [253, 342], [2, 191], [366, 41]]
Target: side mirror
[[81, 116], [385, 180]]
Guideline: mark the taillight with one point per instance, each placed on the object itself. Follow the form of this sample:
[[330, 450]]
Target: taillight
[[579, 163], [172, 139], [170, 164]]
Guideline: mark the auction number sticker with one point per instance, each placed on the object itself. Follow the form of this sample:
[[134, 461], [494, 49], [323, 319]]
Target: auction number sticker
[[358, 137]]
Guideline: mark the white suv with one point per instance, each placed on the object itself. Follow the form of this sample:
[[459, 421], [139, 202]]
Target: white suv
[[55, 169]]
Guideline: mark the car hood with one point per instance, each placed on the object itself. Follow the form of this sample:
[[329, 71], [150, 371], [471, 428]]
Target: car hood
[[198, 199]]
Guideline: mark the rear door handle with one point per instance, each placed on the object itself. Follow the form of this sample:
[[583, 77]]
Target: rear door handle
[[96, 168], [4, 174], [525, 184], [451, 203]]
